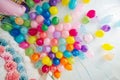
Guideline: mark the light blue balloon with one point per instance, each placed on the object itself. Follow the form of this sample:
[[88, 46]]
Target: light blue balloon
[[39, 48], [24, 30], [23, 76], [20, 67], [62, 48], [81, 55], [62, 41]]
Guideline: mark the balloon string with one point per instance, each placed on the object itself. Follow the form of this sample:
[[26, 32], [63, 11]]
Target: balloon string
[[90, 78]]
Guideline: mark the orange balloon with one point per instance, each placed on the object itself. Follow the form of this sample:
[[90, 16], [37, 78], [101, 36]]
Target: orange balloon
[[35, 57], [68, 67], [43, 35], [63, 61], [57, 74], [69, 47], [19, 21]]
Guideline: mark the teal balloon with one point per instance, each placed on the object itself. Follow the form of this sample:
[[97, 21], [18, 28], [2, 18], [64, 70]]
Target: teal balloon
[[38, 64], [72, 4], [25, 16], [20, 38], [45, 6], [67, 54], [39, 9]]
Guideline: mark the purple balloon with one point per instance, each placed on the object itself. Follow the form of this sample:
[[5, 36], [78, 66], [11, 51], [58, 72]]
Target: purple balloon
[[84, 48], [51, 55], [106, 28], [33, 15], [46, 49], [57, 34], [53, 2]]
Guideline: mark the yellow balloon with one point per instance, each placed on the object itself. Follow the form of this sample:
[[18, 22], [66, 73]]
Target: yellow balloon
[[65, 2], [70, 40], [50, 63], [99, 33], [107, 46], [54, 49], [53, 10], [32, 39], [59, 55], [71, 60], [67, 18], [108, 57], [86, 1], [46, 60]]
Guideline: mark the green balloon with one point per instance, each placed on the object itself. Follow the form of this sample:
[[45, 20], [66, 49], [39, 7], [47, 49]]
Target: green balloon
[[85, 20], [44, 27], [26, 23], [38, 64], [30, 3], [29, 51], [6, 27], [55, 20]]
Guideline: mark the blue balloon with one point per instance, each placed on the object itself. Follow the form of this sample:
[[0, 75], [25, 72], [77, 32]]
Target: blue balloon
[[47, 22], [56, 61], [15, 32], [67, 54], [46, 14], [75, 52]]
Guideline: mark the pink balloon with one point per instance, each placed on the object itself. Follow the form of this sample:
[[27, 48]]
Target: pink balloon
[[42, 55], [88, 38], [89, 54], [34, 24], [7, 7], [59, 27], [51, 29], [2, 49], [24, 45], [39, 19], [46, 41], [67, 26], [60, 68], [65, 34], [76, 13]]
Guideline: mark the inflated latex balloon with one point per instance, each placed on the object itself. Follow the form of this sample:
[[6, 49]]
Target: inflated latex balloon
[[7, 7]]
